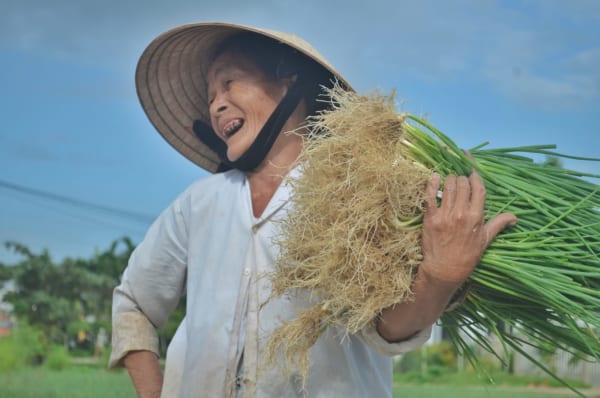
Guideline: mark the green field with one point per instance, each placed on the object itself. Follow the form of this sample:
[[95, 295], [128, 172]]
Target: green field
[[454, 391], [75, 382], [90, 382]]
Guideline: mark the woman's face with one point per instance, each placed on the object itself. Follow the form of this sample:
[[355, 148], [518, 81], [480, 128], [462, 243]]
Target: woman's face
[[241, 99]]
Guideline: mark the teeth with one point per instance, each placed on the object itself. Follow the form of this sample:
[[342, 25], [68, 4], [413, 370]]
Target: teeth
[[232, 127]]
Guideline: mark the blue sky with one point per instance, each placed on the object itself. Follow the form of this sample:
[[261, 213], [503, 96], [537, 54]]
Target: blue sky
[[509, 72]]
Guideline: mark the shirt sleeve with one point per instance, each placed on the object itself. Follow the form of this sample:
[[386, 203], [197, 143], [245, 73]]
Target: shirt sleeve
[[151, 286], [374, 341]]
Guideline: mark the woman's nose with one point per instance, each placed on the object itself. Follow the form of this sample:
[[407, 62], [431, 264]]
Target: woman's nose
[[218, 105]]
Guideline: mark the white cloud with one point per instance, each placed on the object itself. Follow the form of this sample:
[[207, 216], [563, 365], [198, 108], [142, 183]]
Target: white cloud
[[546, 92], [538, 68], [480, 40], [585, 62]]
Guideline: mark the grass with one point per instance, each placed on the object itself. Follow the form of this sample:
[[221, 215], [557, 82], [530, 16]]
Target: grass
[[93, 382], [73, 382], [455, 391], [472, 384]]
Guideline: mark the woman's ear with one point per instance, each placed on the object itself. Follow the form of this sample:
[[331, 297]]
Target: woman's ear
[[285, 69], [289, 81]]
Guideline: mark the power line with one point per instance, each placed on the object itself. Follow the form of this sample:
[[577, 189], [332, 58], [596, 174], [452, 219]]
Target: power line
[[77, 214], [135, 216]]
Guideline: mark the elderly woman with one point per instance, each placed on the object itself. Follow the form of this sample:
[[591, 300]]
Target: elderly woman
[[234, 100]]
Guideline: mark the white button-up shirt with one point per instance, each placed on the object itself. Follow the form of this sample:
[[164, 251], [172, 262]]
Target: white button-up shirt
[[209, 245]]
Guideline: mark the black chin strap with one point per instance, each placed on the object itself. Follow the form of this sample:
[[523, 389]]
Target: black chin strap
[[265, 139]]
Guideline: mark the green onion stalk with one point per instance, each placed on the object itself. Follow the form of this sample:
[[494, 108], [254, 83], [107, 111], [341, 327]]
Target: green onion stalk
[[538, 283]]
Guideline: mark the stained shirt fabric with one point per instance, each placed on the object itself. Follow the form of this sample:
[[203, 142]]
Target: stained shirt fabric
[[209, 244]]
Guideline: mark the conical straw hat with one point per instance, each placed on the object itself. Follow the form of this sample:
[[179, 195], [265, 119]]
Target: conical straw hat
[[171, 81]]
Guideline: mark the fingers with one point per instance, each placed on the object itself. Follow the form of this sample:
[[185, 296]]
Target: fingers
[[457, 194], [431, 193], [497, 224], [463, 193], [460, 193], [449, 194], [477, 191]]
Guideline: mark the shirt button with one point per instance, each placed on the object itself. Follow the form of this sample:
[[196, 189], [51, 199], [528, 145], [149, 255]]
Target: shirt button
[[246, 271]]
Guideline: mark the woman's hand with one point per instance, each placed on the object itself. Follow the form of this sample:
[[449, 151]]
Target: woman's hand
[[454, 238], [454, 234]]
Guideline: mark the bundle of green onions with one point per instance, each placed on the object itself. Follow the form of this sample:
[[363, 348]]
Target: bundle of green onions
[[539, 283], [352, 239]]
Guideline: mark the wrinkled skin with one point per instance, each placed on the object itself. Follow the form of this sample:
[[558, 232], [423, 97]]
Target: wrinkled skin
[[454, 238], [454, 234]]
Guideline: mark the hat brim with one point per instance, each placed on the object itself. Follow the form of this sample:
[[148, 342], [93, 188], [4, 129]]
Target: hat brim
[[171, 81]]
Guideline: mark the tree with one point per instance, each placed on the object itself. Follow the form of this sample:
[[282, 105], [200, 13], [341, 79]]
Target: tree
[[70, 302]]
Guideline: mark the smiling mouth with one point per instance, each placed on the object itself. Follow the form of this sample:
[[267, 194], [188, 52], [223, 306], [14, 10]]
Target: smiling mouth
[[232, 127]]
